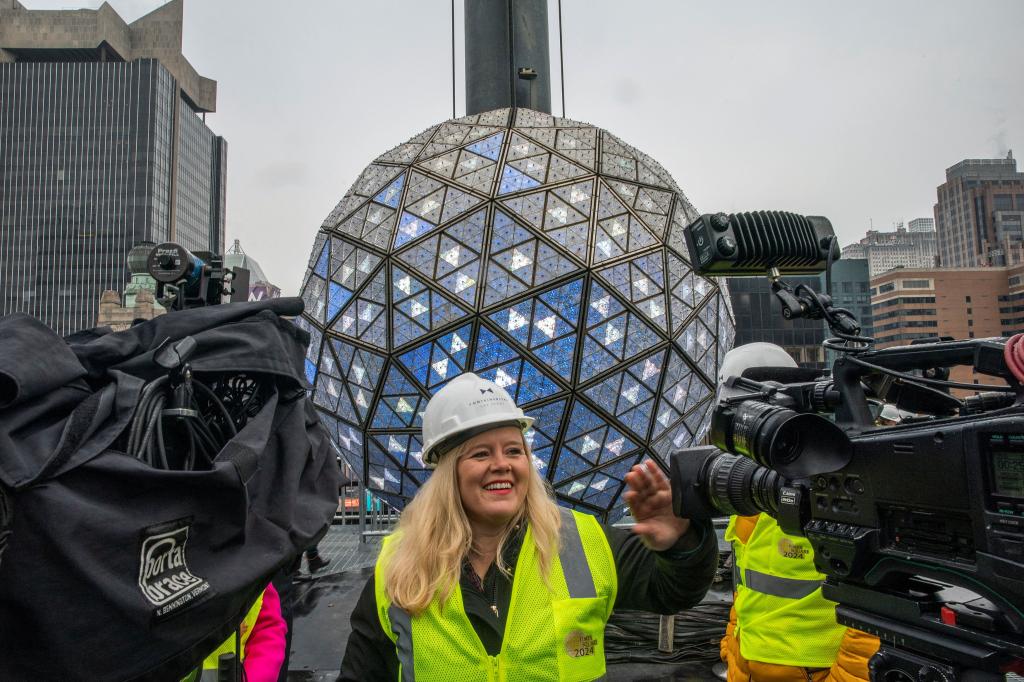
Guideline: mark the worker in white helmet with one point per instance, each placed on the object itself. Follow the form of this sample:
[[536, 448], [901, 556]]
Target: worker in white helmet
[[781, 629], [487, 578]]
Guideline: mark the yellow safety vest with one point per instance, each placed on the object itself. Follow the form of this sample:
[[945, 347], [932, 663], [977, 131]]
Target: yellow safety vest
[[781, 617], [553, 632], [208, 672]]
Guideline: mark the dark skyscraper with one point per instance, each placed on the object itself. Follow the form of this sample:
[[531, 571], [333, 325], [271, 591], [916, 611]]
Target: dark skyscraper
[[851, 289], [102, 145], [759, 318]]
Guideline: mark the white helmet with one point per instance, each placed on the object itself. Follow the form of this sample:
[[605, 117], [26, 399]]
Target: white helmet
[[758, 354], [466, 406]]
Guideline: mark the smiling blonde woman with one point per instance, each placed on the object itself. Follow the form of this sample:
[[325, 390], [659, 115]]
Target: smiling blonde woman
[[487, 578]]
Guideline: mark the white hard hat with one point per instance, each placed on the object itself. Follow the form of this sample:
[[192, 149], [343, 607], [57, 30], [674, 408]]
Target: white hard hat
[[466, 406], [757, 354]]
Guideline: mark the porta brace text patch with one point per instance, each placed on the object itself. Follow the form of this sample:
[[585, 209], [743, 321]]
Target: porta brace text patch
[[164, 577]]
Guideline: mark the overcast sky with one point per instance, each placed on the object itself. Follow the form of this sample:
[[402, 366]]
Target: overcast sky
[[852, 110]]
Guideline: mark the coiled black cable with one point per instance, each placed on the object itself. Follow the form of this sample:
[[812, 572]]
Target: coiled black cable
[[189, 436], [632, 636]]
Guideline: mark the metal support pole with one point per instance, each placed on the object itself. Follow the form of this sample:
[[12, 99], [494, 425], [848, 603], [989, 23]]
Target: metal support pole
[[362, 510], [666, 634], [504, 37]]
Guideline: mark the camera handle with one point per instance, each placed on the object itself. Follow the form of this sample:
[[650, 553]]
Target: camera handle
[[911, 654], [930, 629]]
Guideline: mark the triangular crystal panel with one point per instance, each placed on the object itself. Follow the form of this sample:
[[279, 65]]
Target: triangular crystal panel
[[418, 309], [687, 291], [590, 437], [560, 169], [535, 167], [444, 165], [529, 207], [489, 148], [497, 361], [541, 436], [545, 136], [470, 163], [401, 404], [528, 118], [457, 202], [514, 180], [434, 363]]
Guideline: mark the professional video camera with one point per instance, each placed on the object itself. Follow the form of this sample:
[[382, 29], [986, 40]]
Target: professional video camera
[[190, 280], [918, 527], [182, 422]]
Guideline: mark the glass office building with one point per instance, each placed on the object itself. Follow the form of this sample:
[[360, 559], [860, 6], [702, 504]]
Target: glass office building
[[97, 152], [851, 289]]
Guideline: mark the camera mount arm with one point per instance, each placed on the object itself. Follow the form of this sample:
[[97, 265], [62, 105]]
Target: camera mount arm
[[803, 302]]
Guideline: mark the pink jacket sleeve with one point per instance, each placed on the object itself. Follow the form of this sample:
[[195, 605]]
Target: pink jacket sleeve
[[264, 651]]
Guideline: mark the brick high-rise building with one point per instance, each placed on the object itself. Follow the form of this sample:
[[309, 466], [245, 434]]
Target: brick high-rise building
[[102, 146], [979, 213], [958, 302]]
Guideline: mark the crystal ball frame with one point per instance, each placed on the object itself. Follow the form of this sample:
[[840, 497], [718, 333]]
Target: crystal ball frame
[[542, 253]]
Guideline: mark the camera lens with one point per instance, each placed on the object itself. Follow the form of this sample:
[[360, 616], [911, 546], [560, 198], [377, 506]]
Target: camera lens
[[736, 485], [774, 436], [707, 482], [787, 446]]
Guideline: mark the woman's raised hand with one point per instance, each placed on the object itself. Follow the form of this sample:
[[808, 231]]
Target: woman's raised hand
[[650, 500]]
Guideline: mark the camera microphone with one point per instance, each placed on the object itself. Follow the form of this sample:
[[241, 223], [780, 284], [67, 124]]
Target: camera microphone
[[753, 243]]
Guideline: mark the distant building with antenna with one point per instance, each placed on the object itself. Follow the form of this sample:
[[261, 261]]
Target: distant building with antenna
[[979, 214]]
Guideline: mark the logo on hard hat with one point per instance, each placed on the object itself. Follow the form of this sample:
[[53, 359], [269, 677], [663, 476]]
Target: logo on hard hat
[[486, 390]]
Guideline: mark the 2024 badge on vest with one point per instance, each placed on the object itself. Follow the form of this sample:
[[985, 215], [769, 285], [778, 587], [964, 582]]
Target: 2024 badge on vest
[[579, 644]]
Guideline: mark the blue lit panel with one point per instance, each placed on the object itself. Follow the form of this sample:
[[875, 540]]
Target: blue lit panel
[[542, 253]]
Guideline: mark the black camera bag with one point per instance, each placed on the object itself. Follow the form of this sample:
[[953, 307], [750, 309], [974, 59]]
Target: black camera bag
[[115, 570]]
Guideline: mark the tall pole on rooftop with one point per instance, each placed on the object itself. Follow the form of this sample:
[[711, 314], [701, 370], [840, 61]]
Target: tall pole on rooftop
[[508, 62]]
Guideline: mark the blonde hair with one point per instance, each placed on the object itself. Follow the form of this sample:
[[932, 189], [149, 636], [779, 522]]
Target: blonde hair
[[434, 537]]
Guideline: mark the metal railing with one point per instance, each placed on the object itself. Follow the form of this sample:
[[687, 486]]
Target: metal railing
[[376, 517]]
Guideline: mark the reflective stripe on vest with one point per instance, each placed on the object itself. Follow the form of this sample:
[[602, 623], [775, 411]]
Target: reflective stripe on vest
[[572, 612], [402, 624], [787, 588], [578, 578], [781, 616]]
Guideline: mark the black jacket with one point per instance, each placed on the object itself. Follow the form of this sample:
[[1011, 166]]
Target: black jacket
[[660, 582]]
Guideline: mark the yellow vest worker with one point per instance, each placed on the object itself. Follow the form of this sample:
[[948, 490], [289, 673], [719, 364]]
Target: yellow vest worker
[[553, 633], [781, 627]]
